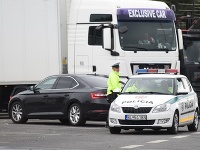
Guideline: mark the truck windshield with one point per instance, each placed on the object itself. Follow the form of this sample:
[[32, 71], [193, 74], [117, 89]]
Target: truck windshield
[[148, 35], [192, 52]]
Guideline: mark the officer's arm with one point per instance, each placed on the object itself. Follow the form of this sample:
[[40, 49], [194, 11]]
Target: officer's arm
[[114, 83]]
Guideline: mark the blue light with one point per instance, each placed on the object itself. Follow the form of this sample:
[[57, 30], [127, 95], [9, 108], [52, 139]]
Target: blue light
[[142, 71]]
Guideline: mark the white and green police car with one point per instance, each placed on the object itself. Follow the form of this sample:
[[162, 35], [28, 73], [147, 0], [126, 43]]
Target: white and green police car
[[155, 101]]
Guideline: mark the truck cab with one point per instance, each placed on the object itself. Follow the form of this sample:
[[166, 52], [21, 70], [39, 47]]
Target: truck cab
[[106, 32]]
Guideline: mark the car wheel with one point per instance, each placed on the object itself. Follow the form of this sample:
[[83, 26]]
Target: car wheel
[[114, 130], [195, 123], [175, 124], [17, 113], [75, 115], [139, 129], [64, 121]]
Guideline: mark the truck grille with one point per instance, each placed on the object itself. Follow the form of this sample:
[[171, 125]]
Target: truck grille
[[136, 122], [139, 110]]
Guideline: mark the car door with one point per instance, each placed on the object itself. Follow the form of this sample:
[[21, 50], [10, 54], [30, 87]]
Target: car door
[[61, 93], [36, 103], [191, 100], [183, 100]]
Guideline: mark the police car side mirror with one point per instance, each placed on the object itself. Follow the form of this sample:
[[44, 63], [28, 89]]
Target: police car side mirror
[[182, 92]]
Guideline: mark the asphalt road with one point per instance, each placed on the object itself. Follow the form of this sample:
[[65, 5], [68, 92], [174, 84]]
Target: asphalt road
[[52, 135]]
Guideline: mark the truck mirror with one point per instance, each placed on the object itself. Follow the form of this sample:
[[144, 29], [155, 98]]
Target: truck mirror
[[123, 29], [100, 27], [107, 39], [173, 7], [180, 39]]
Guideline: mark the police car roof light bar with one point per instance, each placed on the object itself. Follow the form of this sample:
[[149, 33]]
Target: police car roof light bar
[[158, 71], [175, 71]]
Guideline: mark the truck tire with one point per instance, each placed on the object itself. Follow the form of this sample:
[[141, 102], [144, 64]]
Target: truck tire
[[195, 123], [17, 113], [75, 115]]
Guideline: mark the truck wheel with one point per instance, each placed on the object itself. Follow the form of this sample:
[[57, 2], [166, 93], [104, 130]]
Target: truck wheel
[[195, 123], [75, 115], [175, 124], [17, 113], [115, 130]]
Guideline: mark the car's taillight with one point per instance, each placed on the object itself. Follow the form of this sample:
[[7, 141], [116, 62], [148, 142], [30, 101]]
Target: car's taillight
[[96, 95], [10, 97]]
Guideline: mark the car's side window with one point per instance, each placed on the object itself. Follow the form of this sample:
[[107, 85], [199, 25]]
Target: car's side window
[[47, 84], [187, 86], [66, 82], [180, 84]]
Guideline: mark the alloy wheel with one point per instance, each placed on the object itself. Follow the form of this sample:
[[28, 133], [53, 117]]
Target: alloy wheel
[[17, 112], [75, 114]]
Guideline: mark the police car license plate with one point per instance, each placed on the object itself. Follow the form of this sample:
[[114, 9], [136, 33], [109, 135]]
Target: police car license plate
[[135, 117]]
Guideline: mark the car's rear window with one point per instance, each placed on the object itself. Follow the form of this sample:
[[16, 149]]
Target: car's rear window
[[96, 81]]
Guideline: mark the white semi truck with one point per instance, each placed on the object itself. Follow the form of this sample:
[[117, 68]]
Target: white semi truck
[[39, 38]]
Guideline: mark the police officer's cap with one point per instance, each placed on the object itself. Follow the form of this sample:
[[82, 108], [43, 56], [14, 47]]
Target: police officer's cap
[[116, 65]]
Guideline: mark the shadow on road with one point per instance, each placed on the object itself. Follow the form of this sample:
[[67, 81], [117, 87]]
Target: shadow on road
[[150, 132], [58, 123]]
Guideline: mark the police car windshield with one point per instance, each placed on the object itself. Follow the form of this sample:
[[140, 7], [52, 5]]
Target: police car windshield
[[149, 86], [146, 35]]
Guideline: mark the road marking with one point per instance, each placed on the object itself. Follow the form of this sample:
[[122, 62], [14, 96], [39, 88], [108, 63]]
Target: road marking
[[180, 136], [131, 146], [3, 142], [24, 133], [157, 141]]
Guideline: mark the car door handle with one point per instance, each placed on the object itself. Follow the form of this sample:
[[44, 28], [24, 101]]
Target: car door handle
[[46, 96], [66, 95]]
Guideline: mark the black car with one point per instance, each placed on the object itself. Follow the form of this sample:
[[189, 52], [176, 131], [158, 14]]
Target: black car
[[69, 98]]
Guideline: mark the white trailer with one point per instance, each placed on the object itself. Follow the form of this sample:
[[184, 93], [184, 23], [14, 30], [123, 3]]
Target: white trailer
[[33, 38], [39, 38]]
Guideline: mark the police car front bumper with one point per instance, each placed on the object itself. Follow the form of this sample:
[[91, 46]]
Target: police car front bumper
[[153, 120]]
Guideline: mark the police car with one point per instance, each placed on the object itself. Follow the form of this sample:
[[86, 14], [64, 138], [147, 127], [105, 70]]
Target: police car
[[155, 101]]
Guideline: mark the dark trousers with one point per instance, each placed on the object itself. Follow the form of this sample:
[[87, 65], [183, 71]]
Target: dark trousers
[[110, 99]]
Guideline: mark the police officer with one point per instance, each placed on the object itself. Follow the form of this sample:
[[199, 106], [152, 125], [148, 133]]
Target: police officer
[[165, 88], [113, 83]]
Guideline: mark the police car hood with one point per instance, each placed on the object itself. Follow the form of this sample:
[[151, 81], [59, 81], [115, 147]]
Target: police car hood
[[142, 100]]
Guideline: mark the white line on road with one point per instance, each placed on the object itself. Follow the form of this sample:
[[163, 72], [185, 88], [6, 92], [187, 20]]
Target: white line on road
[[3, 142], [132, 146], [157, 141], [180, 136]]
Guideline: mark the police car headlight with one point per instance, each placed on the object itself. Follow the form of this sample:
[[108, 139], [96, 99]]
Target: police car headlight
[[114, 107], [161, 108]]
